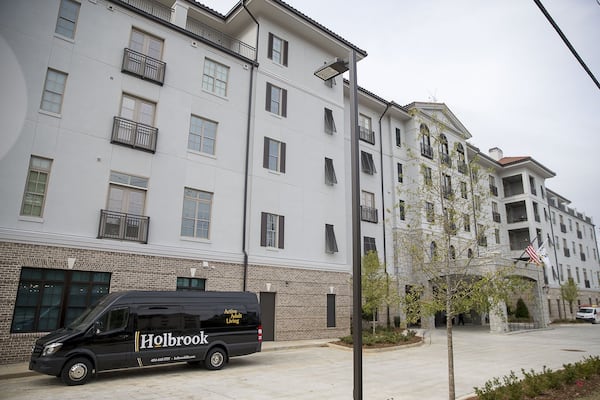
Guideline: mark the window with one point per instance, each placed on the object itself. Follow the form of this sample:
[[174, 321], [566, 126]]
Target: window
[[463, 190], [215, 77], [124, 218], [497, 235], [137, 110], [278, 50], [402, 210], [195, 219], [202, 135], [493, 187], [467, 222], [365, 129], [400, 173], [452, 252], [330, 242], [429, 212], [398, 138], [369, 244], [331, 310], [426, 149], [330, 178], [444, 150], [276, 100], [447, 186], [432, 250], [67, 18], [368, 166], [191, 284], [462, 165], [427, 175], [143, 57], [36, 186], [49, 298], [477, 201], [329, 122], [271, 230], [274, 155], [532, 185], [54, 89], [114, 320]]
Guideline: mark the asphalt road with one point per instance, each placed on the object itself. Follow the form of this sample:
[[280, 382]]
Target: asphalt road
[[327, 373]]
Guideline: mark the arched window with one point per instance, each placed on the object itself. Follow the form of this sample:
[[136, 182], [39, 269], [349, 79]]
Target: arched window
[[460, 151], [432, 250], [444, 144], [426, 149]]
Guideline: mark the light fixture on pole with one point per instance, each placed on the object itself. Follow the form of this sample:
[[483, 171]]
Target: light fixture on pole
[[326, 72]]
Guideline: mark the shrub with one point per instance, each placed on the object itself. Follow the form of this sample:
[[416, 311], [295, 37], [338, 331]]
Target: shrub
[[382, 336], [522, 311]]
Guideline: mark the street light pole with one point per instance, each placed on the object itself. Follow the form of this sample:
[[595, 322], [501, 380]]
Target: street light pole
[[356, 253], [328, 71]]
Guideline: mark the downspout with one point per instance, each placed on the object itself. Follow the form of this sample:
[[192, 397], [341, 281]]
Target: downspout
[[246, 168], [387, 276]]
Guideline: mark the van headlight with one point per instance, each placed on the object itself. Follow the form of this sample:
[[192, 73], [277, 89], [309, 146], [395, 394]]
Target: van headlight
[[51, 349]]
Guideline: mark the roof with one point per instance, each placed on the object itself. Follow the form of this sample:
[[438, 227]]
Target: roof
[[288, 8], [538, 167]]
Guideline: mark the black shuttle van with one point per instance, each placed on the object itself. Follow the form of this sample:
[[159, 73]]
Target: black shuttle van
[[140, 328]]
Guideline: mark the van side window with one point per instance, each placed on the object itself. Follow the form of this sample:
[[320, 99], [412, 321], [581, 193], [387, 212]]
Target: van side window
[[114, 320], [159, 318]]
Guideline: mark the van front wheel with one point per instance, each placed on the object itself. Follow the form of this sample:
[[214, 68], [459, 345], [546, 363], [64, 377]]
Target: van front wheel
[[215, 359], [76, 371]]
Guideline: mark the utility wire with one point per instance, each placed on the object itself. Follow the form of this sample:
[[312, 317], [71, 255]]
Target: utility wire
[[564, 38]]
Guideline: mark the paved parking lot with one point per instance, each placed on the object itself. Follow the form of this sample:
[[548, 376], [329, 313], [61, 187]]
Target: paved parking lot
[[326, 373]]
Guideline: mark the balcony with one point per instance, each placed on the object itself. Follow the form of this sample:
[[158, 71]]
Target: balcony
[[582, 255], [462, 167], [368, 214], [367, 135], [426, 151], [134, 134], [567, 252], [563, 228], [214, 36], [122, 226], [151, 7], [496, 216], [144, 67], [494, 190], [446, 160]]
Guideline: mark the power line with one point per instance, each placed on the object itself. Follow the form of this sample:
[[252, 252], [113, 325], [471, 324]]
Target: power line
[[564, 38]]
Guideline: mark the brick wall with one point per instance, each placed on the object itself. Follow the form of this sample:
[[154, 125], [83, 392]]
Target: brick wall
[[301, 294]]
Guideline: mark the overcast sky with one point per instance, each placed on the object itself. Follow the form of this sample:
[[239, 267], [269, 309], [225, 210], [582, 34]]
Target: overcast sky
[[498, 64]]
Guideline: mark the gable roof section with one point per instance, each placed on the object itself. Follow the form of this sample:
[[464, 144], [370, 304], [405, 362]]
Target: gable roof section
[[527, 162], [448, 119]]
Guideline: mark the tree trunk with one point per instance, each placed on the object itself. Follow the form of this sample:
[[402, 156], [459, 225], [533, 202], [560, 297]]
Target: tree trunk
[[449, 316], [374, 314]]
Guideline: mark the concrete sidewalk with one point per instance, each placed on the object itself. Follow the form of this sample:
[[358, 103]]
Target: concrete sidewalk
[[19, 370]]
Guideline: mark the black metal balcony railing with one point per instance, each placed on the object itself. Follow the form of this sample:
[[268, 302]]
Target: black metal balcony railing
[[426, 150], [496, 216], [494, 190], [134, 134], [142, 66], [446, 160], [563, 228], [122, 226], [151, 7], [223, 40], [462, 167], [582, 255], [366, 135], [567, 252], [368, 214]]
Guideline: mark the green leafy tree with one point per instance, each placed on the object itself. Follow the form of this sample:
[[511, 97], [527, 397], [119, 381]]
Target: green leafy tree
[[569, 293], [376, 288]]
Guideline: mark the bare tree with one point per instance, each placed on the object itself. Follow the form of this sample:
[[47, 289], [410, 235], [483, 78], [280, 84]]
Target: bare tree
[[442, 246]]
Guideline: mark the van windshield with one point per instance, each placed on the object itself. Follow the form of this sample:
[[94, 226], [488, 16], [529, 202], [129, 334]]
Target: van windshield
[[89, 315], [586, 310]]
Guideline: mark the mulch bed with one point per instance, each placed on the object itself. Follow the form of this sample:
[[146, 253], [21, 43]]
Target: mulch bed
[[412, 340]]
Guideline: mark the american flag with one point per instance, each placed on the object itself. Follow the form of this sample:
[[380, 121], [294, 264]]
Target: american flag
[[533, 255]]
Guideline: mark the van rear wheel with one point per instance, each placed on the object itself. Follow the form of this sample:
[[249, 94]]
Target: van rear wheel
[[215, 359], [76, 371]]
